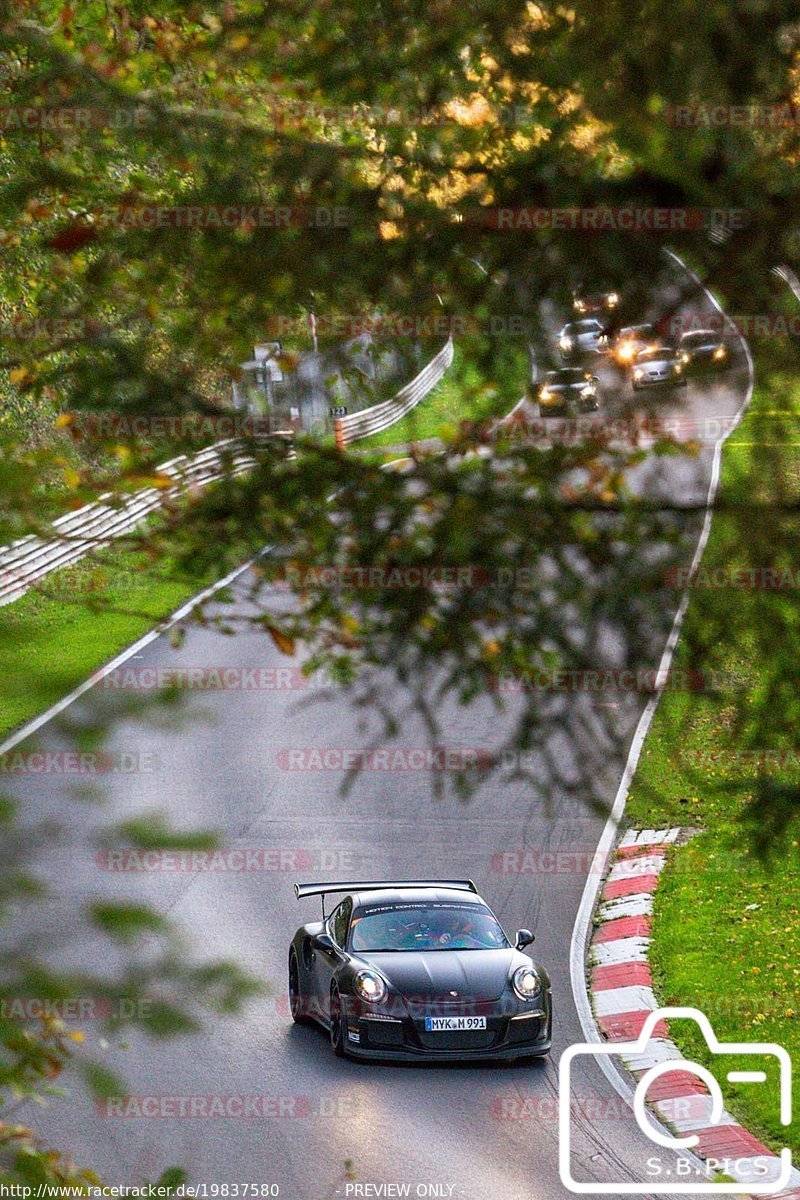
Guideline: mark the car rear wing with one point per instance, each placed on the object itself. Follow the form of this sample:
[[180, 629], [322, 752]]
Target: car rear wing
[[301, 890]]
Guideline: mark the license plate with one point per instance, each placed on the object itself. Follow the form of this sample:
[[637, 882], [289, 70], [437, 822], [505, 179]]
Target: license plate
[[444, 1024]]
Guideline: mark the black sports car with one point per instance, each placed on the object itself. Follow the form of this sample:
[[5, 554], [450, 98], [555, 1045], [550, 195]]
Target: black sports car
[[703, 348], [418, 969], [567, 392]]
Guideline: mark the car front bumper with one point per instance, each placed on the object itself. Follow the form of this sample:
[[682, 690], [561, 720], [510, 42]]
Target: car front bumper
[[569, 406], [671, 380], [507, 1036], [707, 358]]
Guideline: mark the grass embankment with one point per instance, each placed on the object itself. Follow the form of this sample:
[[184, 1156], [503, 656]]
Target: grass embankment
[[480, 385], [54, 637], [727, 916]]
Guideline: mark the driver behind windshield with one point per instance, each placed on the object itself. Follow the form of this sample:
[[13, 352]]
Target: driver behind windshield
[[425, 928]]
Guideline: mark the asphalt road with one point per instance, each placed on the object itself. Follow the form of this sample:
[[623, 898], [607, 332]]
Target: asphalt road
[[473, 1131]]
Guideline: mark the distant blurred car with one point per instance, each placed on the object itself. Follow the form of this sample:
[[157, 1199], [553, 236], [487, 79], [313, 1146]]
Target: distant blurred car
[[599, 302], [629, 342], [580, 337], [658, 365], [703, 348], [567, 392]]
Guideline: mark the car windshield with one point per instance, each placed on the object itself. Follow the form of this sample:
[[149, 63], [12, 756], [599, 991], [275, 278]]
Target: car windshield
[[655, 354], [587, 326], [431, 926], [698, 339], [570, 375]]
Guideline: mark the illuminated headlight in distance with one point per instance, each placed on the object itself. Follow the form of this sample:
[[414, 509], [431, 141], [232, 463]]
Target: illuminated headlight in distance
[[612, 299], [526, 983], [626, 351], [545, 394], [579, 306], [678, 368], [637, 374], [565, 343], [685, 358], [370, 986], [720, 352]]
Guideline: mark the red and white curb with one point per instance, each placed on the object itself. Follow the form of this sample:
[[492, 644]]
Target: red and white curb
[[621, 989]]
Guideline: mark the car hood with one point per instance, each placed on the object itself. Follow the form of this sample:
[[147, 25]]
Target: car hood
[[474, 974]]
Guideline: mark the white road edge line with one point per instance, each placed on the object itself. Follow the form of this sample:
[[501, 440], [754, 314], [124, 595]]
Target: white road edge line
[[31, 727], [583, 921]]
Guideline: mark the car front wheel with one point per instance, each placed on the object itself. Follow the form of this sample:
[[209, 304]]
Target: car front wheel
[[337, 1024], [295, 997]]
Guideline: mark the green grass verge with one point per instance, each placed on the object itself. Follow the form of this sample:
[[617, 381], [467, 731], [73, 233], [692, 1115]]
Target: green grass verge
[[726, 933], [480, 385], [53, 638]]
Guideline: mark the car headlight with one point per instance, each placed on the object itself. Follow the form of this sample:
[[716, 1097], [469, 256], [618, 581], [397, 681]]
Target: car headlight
[[544, 394], [526, 983], [612, 299], [626, 351], [370, 986], [720, 352], [685, 358], [637, 374], [678, 368], [579, 305], [565, 343], [587, 393]]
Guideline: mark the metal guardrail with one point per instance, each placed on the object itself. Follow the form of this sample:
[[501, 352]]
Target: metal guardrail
[[787, 275], [382, 416], [30, 559]]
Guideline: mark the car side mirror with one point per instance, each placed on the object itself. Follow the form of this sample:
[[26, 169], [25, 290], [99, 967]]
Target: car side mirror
[[325, 943], [524, 938]]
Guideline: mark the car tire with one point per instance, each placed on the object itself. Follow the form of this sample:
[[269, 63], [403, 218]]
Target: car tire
[[337, 1030], [295, 994]]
